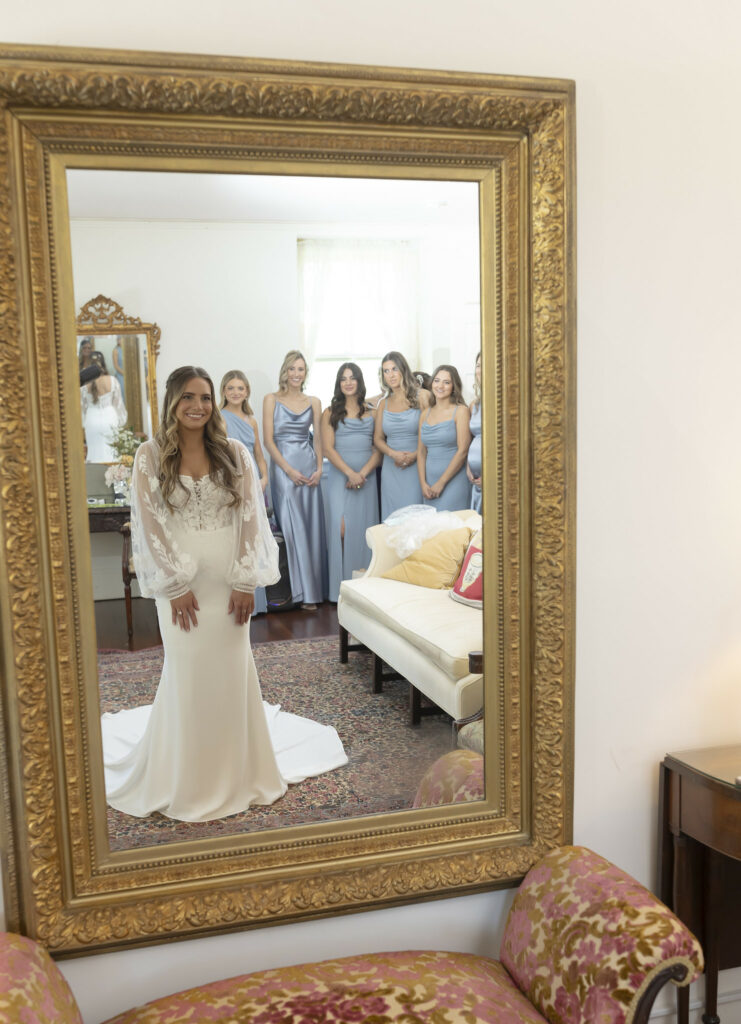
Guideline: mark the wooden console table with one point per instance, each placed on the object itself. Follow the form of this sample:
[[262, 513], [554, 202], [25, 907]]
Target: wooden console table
[[700, 858], [107, 518]]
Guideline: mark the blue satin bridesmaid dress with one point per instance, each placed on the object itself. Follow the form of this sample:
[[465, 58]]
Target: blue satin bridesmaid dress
[[441, 442], [241, 430], [299, 510], [353, 441], [400, 487], [475, 461]]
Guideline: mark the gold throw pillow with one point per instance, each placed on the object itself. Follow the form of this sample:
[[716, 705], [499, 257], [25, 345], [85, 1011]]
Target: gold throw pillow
[[436, 563]]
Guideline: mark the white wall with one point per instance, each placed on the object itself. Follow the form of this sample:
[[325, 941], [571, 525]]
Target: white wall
[[226, 296], [659, 535]]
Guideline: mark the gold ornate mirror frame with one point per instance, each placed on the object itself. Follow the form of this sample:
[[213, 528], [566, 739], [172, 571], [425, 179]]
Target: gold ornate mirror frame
[[102, 316], [98, 109]]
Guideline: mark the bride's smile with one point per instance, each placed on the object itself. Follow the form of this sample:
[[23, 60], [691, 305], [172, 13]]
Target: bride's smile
[[195, 407]]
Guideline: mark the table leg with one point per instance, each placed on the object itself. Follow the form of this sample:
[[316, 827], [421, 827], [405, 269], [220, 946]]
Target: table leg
[[713, 886], [678, 896]]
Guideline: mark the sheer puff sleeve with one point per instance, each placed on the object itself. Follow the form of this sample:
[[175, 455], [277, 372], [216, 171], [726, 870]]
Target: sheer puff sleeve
[[117, 402], [163, 569], [255, 561]]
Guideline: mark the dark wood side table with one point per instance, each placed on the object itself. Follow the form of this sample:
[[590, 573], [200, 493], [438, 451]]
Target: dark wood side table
[[700, 858], [107, 518]]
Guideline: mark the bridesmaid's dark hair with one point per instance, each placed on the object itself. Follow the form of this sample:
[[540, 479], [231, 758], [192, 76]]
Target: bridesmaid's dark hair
[[88, 343], [423, 379], [338, 405], [222, 460], [98, 359], [409, 383], [455, 377]]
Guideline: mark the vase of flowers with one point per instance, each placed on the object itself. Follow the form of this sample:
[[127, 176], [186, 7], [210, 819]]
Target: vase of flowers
[[124, 442], [118, 476]]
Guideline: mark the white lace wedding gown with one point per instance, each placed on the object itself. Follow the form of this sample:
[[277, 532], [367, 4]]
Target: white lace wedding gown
[[208, 746], [100, 421]]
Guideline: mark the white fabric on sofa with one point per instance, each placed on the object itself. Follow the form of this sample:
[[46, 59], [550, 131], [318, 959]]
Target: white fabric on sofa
[[440, 628]]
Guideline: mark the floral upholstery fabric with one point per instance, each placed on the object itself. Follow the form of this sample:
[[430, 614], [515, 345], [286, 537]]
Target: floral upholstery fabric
[[453, 778], [471, 736], [584, 940], [32, 988], [413, 987]]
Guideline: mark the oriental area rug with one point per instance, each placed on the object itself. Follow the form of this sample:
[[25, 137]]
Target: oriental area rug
[[387, 757]]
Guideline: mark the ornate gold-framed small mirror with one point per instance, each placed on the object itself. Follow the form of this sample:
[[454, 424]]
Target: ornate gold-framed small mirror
[[513, 138], [129, 347]]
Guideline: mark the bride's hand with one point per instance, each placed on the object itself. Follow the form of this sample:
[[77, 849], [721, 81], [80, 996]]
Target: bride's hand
[[242, 605], [184, 611]]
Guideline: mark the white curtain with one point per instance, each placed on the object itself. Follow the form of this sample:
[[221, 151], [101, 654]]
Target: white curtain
[[358, 299]]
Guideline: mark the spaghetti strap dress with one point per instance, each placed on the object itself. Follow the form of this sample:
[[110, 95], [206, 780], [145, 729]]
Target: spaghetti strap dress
[[242, 431], [441, 442], [353, 441], [208, 746], [474, 456], [400, 487], [299, 510]]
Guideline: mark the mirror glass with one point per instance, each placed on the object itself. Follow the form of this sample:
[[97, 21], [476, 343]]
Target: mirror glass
[[122, 357], [238, 270]]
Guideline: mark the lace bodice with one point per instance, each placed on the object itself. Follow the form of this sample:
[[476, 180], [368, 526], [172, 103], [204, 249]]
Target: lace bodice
[[159, 535], [201, 504]]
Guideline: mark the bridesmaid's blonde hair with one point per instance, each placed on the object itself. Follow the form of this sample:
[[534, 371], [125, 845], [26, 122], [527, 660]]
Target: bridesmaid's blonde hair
[[291, 357], [246, 407], [222, 462]]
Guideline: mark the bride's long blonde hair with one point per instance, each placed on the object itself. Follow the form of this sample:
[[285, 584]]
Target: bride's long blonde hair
[[222, 464]]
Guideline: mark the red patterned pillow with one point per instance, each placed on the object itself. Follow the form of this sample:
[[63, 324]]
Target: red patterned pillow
[[469, 587]]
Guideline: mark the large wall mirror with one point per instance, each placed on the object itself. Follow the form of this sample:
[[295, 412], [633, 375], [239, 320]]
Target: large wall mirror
[[186, 192]]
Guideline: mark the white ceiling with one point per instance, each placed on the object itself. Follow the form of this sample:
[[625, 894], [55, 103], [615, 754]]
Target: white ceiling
[[145, 195]]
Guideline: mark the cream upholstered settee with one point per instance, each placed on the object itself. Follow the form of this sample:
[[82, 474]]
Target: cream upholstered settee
[[421, 634], [583, 943]]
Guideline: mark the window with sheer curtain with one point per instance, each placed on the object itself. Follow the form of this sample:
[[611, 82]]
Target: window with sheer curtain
[[358, 300]]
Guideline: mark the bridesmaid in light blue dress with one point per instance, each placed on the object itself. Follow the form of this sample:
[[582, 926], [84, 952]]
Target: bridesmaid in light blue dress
[[349, 488], [475, 459], [444, 440], [295, 474], [397, 433], [241, 424]]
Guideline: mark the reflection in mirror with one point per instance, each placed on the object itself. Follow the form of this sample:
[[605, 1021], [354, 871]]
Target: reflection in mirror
[[242, 269]]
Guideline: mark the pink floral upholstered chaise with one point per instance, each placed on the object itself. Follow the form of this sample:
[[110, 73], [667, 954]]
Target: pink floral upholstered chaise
[[583, 944]]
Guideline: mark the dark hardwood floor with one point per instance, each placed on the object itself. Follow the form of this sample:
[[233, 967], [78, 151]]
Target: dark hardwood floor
[[110, 623]]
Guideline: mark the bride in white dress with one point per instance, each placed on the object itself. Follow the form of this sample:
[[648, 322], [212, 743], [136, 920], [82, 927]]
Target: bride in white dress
[[103, 412], [208, 746]]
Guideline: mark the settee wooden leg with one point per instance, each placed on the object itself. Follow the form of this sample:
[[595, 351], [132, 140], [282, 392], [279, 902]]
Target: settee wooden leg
[[683, 1005], [343, 645], [377, 674], [415, 705]]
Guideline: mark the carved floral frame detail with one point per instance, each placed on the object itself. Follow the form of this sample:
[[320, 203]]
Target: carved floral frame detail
[[63, 108]]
